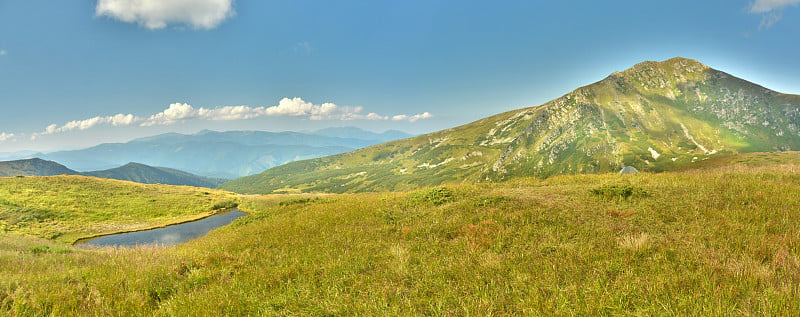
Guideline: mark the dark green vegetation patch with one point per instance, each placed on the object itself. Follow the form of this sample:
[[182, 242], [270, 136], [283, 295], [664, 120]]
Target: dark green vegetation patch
[[619, 191]]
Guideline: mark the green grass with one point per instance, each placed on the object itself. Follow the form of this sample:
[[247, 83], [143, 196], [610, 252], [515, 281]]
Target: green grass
[[719, 242], [67, 208]]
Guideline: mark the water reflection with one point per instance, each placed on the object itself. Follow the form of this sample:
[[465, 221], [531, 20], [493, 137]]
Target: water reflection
[[166, 236]]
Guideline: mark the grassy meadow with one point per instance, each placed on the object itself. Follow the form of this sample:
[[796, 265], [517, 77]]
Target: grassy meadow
[[724, 241], [66, 208]]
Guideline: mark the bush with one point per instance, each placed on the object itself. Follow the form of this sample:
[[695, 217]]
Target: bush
[[297, 201], [228, 204], [435, 196], [619, 191]]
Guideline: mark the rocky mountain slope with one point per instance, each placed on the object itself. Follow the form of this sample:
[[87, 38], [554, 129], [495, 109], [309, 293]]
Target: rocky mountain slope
[[654, 116]]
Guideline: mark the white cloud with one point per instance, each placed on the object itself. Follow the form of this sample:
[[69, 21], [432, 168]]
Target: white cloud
[[327, 111], [375, 116], [176, 112], [180, 112], [157, 14], [764, 6], [6, 136], [414, 118], [3, 52], [115, 120]]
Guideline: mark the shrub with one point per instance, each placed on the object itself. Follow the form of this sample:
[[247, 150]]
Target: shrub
[[228, 204], [435, 196], [297, 201], [619, 191]]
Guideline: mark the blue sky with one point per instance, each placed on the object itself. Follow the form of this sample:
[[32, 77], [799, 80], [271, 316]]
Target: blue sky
[[78, 73]]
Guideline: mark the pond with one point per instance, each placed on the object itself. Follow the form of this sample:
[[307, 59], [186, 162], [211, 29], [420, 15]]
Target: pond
[[166, 236]]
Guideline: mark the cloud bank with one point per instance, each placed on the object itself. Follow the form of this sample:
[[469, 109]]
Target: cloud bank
[[180, 112], [157, 14]]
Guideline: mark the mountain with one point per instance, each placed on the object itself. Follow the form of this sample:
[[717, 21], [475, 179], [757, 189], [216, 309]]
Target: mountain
[[214, 154], [356, 133], [145, 174], [134, 172], [33, 167], [654, 116]]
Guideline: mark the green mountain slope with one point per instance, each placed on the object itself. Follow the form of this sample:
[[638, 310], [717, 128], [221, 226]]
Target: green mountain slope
[[145, 174], [33, 167], [654, 116]]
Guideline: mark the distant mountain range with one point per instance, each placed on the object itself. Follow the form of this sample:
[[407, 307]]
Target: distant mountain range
[[654, 116], [134, 172], [221, 154]]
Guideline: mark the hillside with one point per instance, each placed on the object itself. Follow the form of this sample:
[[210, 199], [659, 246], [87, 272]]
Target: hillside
[[145, 174], [33, 167], [655, 116], [711, 242], [228, 154], [66, 208]]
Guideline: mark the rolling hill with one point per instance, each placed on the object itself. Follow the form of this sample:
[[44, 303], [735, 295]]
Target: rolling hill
[[134, 172], [145, 174], [33, 167], [655, 116]]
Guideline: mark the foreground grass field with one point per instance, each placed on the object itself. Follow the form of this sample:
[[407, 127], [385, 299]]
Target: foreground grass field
[[66, 208], [720, 242]]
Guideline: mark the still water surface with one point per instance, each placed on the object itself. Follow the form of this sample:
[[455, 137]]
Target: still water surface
[[167, 236]]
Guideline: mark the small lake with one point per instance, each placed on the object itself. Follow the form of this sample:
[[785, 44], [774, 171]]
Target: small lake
[[166, 236]]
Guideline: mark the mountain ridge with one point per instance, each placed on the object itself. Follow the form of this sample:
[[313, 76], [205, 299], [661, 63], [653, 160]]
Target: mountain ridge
[[654, 116], [33, 167], [228, 154], [145, 174], [134, 172]]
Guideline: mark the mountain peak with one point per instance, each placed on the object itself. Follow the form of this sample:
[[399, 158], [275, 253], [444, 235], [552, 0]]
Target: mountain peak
[[654, 116], [676, 67]]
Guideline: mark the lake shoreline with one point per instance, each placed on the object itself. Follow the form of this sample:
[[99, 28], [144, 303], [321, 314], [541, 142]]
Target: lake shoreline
[[179, 222]]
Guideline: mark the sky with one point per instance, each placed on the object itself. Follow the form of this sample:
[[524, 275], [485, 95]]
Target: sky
[[78, 73]]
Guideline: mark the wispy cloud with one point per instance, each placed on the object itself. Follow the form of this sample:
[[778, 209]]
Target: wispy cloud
[[3, 52], [6, 136], [157, 14], [768, 20], [771, 11], [764, 6], [180, 112], [115, 120], [303, 47]]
